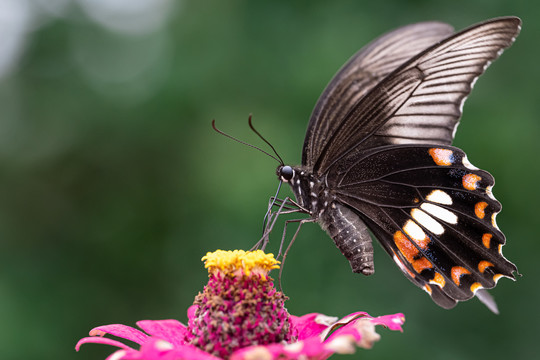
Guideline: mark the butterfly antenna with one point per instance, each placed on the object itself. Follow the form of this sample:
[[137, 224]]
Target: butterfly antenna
[[245, 143], [263, 139]]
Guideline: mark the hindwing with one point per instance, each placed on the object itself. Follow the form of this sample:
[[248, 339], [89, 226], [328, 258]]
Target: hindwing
[[434, 213]]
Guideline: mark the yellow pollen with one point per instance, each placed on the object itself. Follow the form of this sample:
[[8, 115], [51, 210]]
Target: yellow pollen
[[238, 262]]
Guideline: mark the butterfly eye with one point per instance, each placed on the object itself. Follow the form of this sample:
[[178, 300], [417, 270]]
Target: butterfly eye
[[286, 173]]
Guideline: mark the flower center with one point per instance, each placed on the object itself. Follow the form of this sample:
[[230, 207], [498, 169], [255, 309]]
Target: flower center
[[239, 306]]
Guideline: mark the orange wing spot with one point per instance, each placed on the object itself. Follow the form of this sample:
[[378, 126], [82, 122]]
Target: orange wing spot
[[421, 264], [482, 265], [470, 180], [476, 286], [486, 240], [457, 273], [500, 248], [497, 277], [427, 288], [442, 157], [438, 279], [479, 209], [405, 246]]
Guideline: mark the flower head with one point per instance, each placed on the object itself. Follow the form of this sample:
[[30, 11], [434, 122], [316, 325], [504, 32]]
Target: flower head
[[239, 307], [240, 315]]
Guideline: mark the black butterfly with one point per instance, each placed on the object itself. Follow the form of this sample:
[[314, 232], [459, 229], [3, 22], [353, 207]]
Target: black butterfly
[[377, 155]]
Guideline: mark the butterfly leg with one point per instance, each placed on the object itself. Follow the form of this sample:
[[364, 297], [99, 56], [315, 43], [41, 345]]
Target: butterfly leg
[[289, 205], [300, 223], [286, 206]]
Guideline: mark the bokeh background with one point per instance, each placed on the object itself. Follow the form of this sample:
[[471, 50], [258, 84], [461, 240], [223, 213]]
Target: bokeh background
[[113, 185]]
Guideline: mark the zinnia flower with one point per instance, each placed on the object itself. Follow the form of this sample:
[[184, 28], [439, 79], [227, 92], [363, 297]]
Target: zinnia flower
[[240, 315]]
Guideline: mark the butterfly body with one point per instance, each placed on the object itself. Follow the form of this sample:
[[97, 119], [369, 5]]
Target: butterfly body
[[377, 155]]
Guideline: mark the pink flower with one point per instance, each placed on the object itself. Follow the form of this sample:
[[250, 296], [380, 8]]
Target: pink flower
[[240, 315]]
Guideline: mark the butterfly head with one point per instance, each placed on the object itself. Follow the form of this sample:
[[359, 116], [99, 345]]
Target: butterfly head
[[285, 173]]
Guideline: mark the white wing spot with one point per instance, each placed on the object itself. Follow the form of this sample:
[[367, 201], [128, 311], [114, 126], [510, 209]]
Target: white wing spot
[[427, 221], [455, 130], [414, 231], [439, 212], [461, 105], [468, 164], [440, 197], [489, 192], [400, 264], [494, 221], [473, 82]]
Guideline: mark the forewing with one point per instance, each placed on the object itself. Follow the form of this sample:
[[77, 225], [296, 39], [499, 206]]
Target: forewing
[[421, 101], [434, 213], [361, 73]]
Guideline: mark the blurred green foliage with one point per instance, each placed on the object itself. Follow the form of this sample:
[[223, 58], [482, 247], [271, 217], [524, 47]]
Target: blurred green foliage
[[113, 185]]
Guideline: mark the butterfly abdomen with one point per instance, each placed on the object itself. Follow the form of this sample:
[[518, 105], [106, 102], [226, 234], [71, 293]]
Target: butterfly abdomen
[[350, 235]]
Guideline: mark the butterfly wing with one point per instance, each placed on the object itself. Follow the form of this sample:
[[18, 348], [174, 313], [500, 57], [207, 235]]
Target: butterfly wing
[[421, 101], [361, 73], [434, 213]]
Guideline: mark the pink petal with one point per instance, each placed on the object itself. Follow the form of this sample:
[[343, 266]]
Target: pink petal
[[360, 332], [157, 349], [122, 331], [310, 324], [191, 352], [125, 355], [353, 316], [100, 340], [393, 322], [171, 330], [343, 321], [311, 348]]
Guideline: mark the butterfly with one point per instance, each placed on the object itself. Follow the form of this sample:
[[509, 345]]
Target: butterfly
[[377, 157]]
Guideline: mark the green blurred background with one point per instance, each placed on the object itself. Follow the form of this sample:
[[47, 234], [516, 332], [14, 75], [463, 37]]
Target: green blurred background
[[113, 185]]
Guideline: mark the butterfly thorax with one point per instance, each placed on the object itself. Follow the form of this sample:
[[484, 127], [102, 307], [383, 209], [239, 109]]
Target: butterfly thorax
[[310, 191], [344, 226]]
